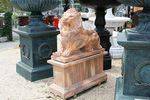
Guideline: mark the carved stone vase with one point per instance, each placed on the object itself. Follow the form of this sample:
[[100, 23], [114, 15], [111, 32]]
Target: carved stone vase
[[37, 40]]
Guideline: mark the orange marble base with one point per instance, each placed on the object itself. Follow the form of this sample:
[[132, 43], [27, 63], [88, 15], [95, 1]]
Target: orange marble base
[[78, 55], [74, 77]]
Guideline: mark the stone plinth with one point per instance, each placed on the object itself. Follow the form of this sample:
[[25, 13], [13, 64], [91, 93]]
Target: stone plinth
[[73, 77], [136, 69], [35, 49]]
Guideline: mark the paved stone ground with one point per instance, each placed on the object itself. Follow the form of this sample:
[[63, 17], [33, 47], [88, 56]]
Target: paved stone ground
[[15, 87]]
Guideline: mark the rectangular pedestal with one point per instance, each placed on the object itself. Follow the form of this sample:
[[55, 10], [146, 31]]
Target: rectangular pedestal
[[35, 49], [136, 66], [119, 92], [76, 76]]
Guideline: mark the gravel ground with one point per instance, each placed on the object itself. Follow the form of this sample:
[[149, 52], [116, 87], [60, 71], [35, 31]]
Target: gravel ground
[[15, 87]]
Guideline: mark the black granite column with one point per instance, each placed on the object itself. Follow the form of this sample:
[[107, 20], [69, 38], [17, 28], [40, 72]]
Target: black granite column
[[104, 35]]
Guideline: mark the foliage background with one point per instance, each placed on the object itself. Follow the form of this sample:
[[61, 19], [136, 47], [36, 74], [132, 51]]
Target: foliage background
[[6, 7]]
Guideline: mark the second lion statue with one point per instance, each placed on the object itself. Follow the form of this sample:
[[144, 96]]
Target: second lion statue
[[74, 38]]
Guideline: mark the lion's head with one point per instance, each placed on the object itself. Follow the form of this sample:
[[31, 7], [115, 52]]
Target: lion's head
[[70, 21]]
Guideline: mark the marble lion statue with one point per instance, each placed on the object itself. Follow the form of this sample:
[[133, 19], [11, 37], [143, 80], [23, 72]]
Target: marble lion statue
[[74, 38]]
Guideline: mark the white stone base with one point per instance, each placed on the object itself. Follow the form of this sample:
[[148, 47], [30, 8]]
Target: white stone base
[[116, 52], [3, 39]]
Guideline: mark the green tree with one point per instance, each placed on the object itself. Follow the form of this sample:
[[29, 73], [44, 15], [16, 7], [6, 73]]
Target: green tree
[[8, 25], [5, 6]]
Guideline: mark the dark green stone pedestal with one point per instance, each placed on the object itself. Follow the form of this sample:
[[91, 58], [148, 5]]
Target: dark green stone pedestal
[[135, 83], [119, 92], [36, 48]]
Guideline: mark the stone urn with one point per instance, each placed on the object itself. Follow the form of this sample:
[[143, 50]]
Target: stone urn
[[37, 40], [112, 23], [36, 7]]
